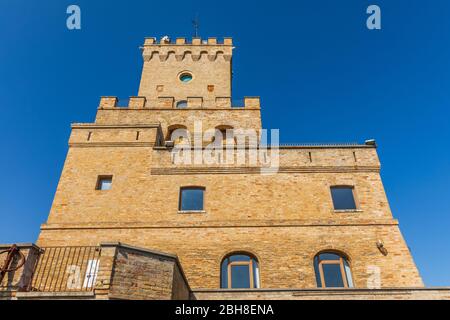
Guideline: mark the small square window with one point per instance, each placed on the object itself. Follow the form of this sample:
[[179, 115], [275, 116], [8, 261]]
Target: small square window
[[104, 183], [343, 198], [191, 199]]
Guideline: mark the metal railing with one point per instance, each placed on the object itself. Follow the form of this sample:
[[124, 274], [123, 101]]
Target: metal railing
[[318, 144], [62, 269]]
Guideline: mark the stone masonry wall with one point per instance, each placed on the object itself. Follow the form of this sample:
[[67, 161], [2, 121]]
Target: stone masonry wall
[[245, 118], [285, 251], [326, 294], [144, 275], [210, 65], [138, 195]]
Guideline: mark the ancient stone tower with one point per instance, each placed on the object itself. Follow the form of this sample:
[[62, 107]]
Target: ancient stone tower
[[127, 221]]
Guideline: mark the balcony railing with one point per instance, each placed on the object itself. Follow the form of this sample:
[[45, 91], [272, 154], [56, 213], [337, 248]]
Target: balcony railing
[[62, 269], [109, 270]]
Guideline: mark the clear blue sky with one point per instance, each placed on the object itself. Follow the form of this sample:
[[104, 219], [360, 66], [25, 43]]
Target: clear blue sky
[[321, 74]]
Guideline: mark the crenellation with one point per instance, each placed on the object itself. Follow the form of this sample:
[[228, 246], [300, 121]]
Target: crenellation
[[108, 102], [228, 41], [194, 41], [195, 102], [223, 102], [251, 102], [137, 102], [165, 102], [180, 41], [149, 40]]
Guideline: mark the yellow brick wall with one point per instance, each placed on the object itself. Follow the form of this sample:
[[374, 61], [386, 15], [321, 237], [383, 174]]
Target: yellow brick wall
[[210, 118], [138, 195], [285, 252], [210, 64]]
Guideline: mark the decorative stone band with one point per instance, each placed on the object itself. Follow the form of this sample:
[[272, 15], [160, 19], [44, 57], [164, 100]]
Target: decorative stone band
[[111, 144], [180, 55], [114, 126], [407, 293], [257, 170], [282, 223]]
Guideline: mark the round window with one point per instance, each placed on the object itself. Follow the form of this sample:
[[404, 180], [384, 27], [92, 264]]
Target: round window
[[185, 77]]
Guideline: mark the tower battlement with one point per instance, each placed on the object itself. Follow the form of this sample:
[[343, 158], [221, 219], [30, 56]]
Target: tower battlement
[[182, 49], [221, 103], [227, 41], [183, 68]]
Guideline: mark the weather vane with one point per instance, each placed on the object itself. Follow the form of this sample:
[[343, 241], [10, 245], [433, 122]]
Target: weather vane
[[196, 25]]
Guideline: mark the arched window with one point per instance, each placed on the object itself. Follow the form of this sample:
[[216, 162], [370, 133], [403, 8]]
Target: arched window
[[177, 133], [239, 270], [226, 133], [183, 104], [332, 270]]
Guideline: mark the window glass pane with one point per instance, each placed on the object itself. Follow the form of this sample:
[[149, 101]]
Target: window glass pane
[[240, 276], [182, 104], [255, 274], [329, 256], [343, 198], [191, 199], [348, 274], [316, 269], [224, 274], [105, 184], [332, 275], [186, 77], [239, 257]]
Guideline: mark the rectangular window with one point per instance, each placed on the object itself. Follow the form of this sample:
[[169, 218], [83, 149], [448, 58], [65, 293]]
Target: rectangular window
[[104, 183], [191, 199], [343, 198]]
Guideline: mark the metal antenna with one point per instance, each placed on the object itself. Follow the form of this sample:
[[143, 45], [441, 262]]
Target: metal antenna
[[196, 25]]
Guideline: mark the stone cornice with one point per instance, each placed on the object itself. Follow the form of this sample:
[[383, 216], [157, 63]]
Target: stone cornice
[[113, 126], [327, 291], [183, 110], [257, 170], [223, 224], [110, 144]]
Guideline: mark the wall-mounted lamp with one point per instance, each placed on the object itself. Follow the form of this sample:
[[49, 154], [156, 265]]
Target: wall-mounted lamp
[[380, 246]]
